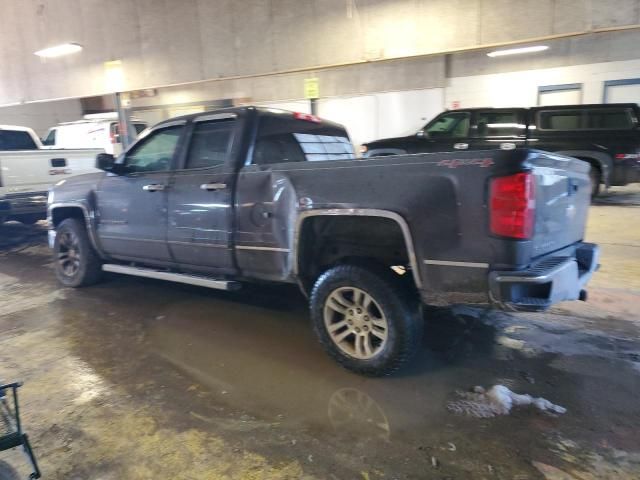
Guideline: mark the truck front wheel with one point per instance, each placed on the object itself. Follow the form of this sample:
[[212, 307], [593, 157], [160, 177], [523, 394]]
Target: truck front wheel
[[365, 319], [76, 262]]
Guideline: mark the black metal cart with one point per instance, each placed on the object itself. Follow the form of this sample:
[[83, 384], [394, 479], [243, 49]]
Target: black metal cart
[[11, 434]]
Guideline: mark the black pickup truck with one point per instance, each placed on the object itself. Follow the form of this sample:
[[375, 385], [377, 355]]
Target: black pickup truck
[[607, 136], [261, 195]]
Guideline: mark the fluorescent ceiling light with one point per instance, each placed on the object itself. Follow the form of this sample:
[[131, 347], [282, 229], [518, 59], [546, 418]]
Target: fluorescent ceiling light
[[59, 50], [516, 51]]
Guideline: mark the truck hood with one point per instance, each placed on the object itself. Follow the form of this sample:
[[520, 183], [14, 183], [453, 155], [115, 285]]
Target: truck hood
[[87, 179], [70, 189], [392, 141]]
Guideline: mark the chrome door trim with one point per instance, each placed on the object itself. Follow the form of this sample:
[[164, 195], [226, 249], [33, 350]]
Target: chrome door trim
[[448, 263], [265, 249]]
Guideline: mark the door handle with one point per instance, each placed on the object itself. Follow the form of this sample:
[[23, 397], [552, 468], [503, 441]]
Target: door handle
[[460, 146], [154, 187], [213, 186]]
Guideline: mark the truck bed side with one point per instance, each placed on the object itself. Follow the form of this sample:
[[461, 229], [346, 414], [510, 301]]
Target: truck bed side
[[436, 202]]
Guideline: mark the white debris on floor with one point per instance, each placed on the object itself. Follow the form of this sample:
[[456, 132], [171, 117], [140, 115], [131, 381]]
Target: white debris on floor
[[498, 400]]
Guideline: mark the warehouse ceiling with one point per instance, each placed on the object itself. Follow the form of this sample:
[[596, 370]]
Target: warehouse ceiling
[[148, 43]]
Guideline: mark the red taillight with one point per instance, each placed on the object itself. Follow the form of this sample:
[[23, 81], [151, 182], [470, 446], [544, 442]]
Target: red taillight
[[512, 205], [626, 156]]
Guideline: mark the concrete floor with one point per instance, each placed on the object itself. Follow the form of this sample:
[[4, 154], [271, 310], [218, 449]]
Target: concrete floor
[[136, 379]]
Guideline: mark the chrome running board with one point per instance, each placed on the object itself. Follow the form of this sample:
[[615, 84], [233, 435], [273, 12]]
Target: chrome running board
[[172, 277]]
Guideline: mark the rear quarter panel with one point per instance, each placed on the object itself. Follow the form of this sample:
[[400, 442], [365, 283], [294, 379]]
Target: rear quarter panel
[[442, 198]]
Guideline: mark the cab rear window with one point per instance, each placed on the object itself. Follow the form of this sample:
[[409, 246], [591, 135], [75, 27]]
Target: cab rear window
[[286, 140], [16, 140]]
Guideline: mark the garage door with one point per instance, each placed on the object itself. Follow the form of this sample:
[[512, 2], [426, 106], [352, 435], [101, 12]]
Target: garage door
[[560, 95], [622, 91]]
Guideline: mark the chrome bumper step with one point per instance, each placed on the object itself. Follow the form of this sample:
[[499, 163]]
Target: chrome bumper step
[[172, 277]]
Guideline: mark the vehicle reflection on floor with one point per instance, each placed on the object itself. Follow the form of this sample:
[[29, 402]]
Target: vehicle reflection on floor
[[15, 235], [353, 411], [261, 357]]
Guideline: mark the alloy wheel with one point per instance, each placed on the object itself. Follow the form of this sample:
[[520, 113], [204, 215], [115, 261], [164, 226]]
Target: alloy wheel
[[69, 253], [355, 322]]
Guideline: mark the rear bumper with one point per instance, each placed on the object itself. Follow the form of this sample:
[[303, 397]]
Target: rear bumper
[[626, 170], [23, 203], [552, 279]]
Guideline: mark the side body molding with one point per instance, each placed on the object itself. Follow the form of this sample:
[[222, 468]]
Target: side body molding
[[360, 212]]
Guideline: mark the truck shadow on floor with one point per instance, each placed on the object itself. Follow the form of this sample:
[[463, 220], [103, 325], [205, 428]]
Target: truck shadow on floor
[[15, 236], [449, 336], [620, 196]]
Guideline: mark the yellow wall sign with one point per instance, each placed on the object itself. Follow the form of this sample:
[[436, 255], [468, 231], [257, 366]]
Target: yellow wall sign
[[311, 88]]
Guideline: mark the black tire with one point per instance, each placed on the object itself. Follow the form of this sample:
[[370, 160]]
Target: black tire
[[397, 305], [596, 179], [7, 472], [88, 270]]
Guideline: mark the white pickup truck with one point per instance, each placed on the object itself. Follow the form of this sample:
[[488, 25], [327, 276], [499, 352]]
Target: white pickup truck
[[27, 171]]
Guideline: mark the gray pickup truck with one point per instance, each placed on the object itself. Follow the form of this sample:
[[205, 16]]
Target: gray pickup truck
[[262, 195]]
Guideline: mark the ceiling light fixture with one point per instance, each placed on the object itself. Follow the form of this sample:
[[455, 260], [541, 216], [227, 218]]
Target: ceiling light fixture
[[516, 51], [59, 50]]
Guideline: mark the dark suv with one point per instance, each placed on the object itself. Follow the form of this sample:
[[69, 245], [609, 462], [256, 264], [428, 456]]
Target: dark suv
[[607, 136]]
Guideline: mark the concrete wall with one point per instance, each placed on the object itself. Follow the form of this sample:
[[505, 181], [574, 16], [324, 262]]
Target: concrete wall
[[520, 88], [164, 42], [41, 116]]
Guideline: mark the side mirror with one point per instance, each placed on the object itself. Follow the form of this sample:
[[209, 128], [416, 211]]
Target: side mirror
[[105, 161], [422, 134]]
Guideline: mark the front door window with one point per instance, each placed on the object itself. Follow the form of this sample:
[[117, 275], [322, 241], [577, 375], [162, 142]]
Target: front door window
[[154, 153], [450, 125]]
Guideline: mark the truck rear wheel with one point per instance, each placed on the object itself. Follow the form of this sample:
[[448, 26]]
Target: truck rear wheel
[[365, 320], [76, 262]]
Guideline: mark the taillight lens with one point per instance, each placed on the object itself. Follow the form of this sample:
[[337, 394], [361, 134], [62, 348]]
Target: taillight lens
[[627, 156], [512, 206]]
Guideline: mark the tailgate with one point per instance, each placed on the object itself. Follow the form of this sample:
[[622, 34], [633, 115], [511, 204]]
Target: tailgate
[[563, 195], [37, 170]]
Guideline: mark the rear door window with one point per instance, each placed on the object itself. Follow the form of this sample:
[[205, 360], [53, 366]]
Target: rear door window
[[282, 139], [560, 119], [210, 143], [499, 124], [449, 125], [16, 140]]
